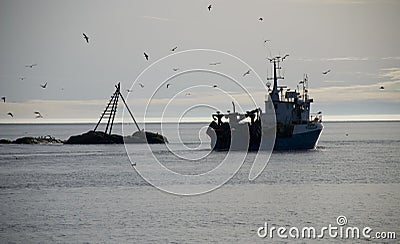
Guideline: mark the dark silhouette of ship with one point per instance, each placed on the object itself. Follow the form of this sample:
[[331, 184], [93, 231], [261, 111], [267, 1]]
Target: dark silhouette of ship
[[285, 124]]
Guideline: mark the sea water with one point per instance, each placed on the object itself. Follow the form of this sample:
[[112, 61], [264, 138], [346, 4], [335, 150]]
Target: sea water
[[92, 194]]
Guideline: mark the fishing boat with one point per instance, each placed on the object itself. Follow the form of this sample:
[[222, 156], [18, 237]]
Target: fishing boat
[[287, 120]]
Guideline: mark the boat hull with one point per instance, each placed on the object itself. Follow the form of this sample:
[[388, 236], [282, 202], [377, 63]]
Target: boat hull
[[300, 141], [303, 137]]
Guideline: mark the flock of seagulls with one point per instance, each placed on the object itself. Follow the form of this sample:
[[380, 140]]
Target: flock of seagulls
[[146, 56], [43, 86]]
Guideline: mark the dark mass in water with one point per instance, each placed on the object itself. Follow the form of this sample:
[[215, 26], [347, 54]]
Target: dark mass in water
[[106, 137]]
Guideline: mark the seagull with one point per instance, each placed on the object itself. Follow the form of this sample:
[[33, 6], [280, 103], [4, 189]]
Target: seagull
[[141, 85], [287, 55], [326, 72], [44, 85], [187, 94], [175, 69], [265, 41], [146, 56], [216, 63], [173, 49], [209, 7], [133, 164], [261, 19], [214, 86], [10, 114], [128, 90], [4, 99], [247, 73], [86, 37], [382, 88], [38, 115], [30, 65], [168, 85], [22, 78]]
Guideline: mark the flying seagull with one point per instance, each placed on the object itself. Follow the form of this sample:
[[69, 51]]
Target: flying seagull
[[326, 72], [168, 85], [175, 69], [10, 114], [38, 115], [209, 7], [247, 73], [216, 63], [188, 94], [141, 85], [382, 88], [4, 99], [22, 78], [173, 49], [261, 19], [287, 55], [86, 37], [44, 85], [146, 56], [128, 90], [133, 164], [30, 65], [214, 86], [265, 41]]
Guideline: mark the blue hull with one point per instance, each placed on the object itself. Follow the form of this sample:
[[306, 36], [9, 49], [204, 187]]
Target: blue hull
[[301, 141]]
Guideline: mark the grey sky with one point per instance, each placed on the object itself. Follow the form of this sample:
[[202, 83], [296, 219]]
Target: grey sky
[[358, 40]]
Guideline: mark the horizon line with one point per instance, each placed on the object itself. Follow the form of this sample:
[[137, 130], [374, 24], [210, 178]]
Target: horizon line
[[326, 118]]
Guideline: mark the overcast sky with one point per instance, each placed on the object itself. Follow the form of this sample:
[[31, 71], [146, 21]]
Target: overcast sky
[[358, 40]]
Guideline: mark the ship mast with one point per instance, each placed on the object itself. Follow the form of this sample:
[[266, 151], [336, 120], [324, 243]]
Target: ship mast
[[276, 64]]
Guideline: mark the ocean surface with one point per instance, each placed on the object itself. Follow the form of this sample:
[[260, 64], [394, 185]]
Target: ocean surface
[[92, 194]]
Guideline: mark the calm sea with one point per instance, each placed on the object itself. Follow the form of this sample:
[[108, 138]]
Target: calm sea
[[91, 194]]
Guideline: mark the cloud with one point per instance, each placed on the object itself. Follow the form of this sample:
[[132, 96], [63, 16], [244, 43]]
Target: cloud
[[333, 81], [155, 18], [358, 93], [391, 73], [337, 1], [390, 58], [346, 59], [53, 109]]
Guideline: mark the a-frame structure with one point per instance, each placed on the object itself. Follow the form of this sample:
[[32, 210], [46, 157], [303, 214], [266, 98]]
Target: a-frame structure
[[111, 110]]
